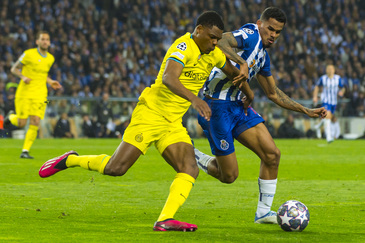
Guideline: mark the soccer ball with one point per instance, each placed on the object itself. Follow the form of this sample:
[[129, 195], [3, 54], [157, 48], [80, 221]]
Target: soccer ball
[[293, 216]]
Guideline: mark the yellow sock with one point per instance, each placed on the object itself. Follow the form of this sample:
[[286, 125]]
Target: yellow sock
[[179, 192], [14, 119], [89, 162], [30, 137]]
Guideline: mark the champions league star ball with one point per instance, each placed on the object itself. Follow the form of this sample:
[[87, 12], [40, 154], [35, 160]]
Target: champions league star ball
[[293, 216]]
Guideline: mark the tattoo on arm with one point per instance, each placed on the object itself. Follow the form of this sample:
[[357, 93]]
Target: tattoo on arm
[[226, 44], [286, 102]]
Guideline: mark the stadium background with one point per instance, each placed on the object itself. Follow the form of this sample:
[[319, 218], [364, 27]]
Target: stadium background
[[116, 48]]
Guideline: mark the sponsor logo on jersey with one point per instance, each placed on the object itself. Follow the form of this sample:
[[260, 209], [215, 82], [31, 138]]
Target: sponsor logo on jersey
[[196, 76], [252, 63], [248, 31], [181, 46], [139, 137], [224, 144]]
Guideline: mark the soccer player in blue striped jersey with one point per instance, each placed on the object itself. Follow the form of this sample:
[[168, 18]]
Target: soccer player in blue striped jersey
[[246, 47], [332, 87]]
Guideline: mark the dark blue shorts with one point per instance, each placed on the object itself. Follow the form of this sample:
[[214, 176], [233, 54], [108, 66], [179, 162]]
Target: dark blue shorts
[[331, 108], [228, 121]]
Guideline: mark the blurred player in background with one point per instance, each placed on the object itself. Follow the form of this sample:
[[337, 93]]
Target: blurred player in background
[[332, 86], [229, 120], [157, 118], [31, 95]]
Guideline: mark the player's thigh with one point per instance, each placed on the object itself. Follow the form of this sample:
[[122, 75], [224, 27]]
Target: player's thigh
[[22, 108], [259, 140], [37, 109], [123, 158], [219, 129], [145, 128], [176, 148]]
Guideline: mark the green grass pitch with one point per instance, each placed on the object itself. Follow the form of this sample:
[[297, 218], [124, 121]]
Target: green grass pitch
[[76, 205]]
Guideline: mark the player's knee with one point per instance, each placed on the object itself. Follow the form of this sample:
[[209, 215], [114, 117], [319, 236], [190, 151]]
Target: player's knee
[[191, 169], [273, 158], [229, 179], [113, 169], [22, 123]]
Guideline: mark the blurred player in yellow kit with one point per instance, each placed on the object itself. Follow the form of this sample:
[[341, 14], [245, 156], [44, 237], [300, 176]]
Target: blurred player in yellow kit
[[31, 95], [157, 118]]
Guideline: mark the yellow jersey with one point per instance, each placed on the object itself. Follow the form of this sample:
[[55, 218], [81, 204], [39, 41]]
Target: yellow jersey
[[36, 67], [197, 67]]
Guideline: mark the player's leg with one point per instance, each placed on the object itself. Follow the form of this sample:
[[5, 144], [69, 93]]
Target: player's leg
[[133, 145], [20, 117], [223, 168], [317, 127], [36, 110], [177, 150], [259, 140], [219, 133], [116, 165], [327, 126], [30, 136]]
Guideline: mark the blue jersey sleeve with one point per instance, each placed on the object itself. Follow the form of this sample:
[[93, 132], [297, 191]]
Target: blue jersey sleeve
[[266, 70], [320, 81], [341, 83], [241, 37]]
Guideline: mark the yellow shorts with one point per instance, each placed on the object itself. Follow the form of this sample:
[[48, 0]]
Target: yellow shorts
[[148, 127], [29, 107]]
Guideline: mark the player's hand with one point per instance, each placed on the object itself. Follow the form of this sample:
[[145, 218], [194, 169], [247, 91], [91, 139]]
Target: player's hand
[[55, 84], [319, 112], [243, 76], [246, 103], [202, 107], [26, 80]]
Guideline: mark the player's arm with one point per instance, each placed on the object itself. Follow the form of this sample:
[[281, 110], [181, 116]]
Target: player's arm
[[232, 72], [315, 95], [170, 78], [54, 83], [342, 91], [226, 44], [280, 98], [16, 70]]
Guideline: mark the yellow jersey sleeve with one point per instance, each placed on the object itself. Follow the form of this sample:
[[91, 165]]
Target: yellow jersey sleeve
[[196, 69], [35, 67]]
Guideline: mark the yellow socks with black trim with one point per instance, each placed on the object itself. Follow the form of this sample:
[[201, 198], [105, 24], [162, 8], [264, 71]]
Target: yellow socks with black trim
[[30, 137], [179, 192], [89, 162], [13, 118]]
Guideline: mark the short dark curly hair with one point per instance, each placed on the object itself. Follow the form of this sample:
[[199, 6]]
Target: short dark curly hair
[[210, 19], [275, 13]]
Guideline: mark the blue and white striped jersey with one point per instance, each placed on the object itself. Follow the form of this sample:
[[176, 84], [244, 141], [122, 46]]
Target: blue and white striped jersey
[[330, 88], [250, 49]]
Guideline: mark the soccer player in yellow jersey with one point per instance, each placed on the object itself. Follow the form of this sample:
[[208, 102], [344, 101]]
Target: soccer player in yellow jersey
[[31, 95], [157, 118]]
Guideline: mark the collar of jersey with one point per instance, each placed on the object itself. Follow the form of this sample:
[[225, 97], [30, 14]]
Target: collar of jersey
[[41, 53]]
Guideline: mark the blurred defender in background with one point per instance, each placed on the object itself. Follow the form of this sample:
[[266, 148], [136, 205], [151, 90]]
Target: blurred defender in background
[[332, 86]]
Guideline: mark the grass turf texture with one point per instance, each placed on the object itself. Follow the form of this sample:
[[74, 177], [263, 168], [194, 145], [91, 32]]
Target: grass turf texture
[[82, 206]]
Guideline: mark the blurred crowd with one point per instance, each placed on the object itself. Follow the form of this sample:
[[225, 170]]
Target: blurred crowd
[[116, 46]]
